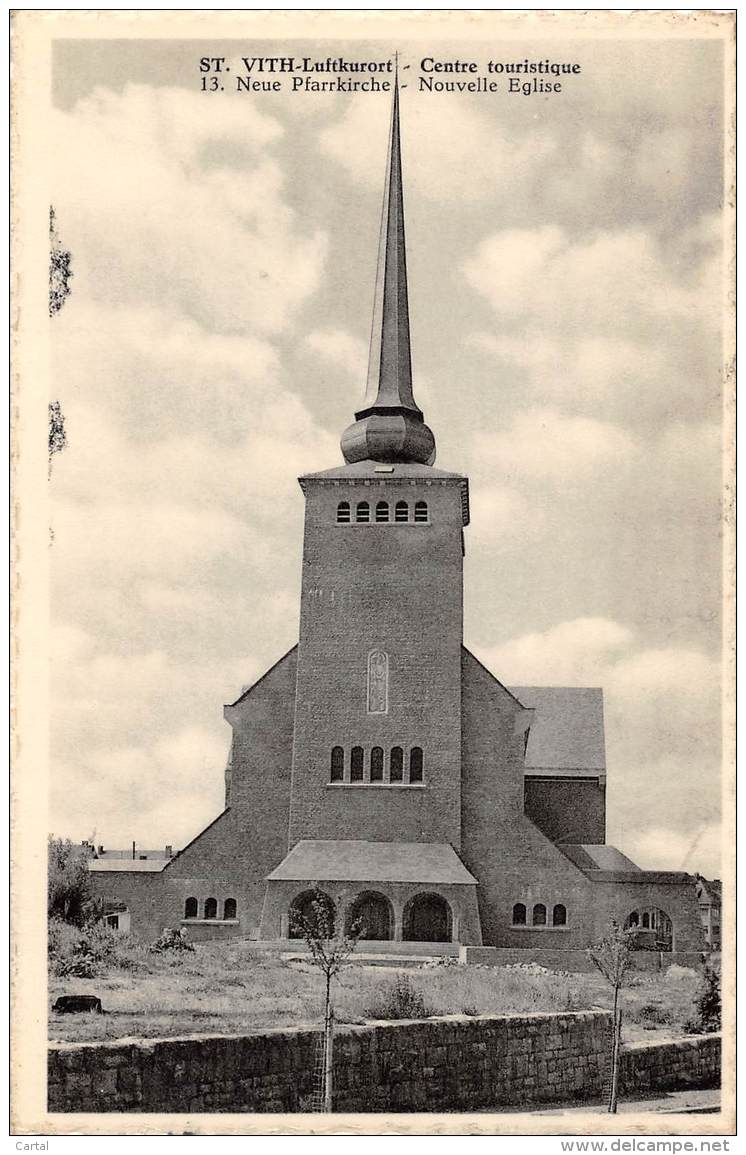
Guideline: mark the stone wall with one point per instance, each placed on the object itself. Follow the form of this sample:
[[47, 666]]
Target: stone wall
[[692, 1062], [573, 961], [441, 1064], [438, 1065]]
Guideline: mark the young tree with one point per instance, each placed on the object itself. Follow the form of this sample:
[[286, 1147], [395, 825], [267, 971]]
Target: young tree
[[330, 947], [613, 958], [69, 894]]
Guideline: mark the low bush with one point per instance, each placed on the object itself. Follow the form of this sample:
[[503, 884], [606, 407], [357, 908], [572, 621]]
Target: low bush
[[400, 1000], [171, 940], [91, 951]]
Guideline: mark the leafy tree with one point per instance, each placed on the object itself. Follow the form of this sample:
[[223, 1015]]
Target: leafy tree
[[612, 956], [330, 947], [69, 894]]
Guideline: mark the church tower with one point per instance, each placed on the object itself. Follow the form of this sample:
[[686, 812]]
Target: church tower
[[377, 728]]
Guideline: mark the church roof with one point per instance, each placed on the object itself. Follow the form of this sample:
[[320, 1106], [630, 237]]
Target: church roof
[[127, 865], [567, 732], [358, 861], [596, 856]]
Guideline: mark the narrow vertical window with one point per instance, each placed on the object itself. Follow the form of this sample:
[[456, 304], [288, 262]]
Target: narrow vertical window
[[211, 908], [420, 511], [337, 769], [363, 511], [376, 764], [401, 511], [382, 511], [646, 921], [415, 764], [343, 512], [190, 908], [378, 682], [540, 915], [356, 764], [559, 915], [519, 914], [229, 908], [396, 764]]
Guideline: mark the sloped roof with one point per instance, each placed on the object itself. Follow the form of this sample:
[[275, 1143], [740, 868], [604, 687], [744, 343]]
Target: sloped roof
[[590, 856], [567, 732], [123, 865], [358, 861]]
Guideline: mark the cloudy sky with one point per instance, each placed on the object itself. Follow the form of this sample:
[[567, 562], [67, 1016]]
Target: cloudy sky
[[565, 259]]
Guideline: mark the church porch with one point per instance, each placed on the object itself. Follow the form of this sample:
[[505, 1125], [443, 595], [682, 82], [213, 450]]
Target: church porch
[[401, 893]]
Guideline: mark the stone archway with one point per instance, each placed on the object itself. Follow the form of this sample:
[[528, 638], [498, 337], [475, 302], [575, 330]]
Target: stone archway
[[302, 907], [427, 918], [375, 913], [652, 929]]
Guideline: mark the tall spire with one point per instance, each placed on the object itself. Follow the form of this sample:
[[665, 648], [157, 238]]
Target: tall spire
[[390, 426]]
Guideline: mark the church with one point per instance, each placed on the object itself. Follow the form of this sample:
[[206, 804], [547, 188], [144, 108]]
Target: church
[[378, 760]]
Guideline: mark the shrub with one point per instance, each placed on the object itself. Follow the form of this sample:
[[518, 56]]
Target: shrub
[[708, 1001], [69, 895], [400, 1000], [171, 940], [651, 1015], [89, 952]]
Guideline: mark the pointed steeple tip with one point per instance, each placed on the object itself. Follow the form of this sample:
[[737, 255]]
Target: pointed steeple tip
[[390, 426]]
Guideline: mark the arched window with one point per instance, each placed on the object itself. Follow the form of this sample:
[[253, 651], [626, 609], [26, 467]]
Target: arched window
[[343, 512], [540, 914], [420, 511], [376, 764], [190, 908], [646, 921], [396, 764], [559, 915], [229, 908], [401, 511], [211, 908], [362, 512], [356, 764], [519, 914], [337, 771], [382, 511], [634, 919], [415, 764]]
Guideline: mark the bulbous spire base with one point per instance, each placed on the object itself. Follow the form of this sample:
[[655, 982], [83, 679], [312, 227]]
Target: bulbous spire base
[[394, 436]]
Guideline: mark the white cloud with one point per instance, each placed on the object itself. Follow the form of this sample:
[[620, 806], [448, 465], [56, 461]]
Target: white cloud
[[464, 159], [662, 731], [544, 443], [160, 200], [342, 349], [603, 282]]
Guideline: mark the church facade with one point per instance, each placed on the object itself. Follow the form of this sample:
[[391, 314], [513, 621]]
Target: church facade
[[378, 759]]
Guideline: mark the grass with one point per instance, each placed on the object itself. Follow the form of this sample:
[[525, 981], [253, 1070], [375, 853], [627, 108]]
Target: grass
[[230, 988]]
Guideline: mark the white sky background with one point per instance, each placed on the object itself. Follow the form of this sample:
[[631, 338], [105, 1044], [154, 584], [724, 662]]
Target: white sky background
[[565, 296]]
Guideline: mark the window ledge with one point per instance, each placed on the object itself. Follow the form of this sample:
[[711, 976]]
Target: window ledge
[[375, 786], [522, 926], [382, 524], [209, 922]]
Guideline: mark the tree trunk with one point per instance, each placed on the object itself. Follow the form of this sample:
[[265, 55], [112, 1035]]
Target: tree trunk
[[328, 1048], [615, 1056]]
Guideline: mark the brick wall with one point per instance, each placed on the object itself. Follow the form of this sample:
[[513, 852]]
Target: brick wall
[[397, 588]]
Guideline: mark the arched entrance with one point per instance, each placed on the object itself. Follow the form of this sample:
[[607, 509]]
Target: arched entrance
[[374, 912], [313, 908], [653, 929], [427, 918]]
